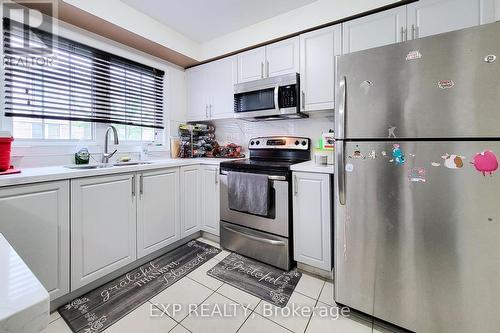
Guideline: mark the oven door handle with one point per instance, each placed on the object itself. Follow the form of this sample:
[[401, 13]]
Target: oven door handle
[[268, 177], [255, 238]]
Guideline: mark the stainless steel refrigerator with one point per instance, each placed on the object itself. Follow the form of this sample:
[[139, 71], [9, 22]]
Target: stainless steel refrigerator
[[417, 199]]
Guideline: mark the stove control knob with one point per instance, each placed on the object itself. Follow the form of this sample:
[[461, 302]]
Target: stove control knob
[[252, 143], [296, 142], [304, 142], [258, 142]]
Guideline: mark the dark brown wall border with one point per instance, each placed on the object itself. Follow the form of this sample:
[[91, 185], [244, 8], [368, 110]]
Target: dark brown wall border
[[84, 20]]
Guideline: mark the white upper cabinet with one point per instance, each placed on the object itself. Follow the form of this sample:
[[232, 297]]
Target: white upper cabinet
[[431, 17], [210, 199], [282, 57], [197, 97], [251, 65], [317, 67], [158, 210], [103, 226], [271, 60], [387, 27], [35, 221], [210, 90], [221, 79]]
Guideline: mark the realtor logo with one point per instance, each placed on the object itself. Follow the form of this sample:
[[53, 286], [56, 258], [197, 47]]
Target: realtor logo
[[24, 20]]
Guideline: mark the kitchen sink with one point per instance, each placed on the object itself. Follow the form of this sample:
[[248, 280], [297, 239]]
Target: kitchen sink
[[88, 166], [131, 163]]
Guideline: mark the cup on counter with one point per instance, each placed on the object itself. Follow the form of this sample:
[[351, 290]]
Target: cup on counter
[[320, 159], [5, 149]]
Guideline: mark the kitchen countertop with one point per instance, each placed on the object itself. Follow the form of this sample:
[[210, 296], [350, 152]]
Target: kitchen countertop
[[24, 305], [45, 174], [310, 166]]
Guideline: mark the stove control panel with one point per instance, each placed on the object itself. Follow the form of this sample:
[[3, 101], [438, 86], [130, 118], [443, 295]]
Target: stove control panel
[[280, 142]]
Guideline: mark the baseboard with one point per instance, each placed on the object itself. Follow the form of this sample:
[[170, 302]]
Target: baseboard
[[315, 271]]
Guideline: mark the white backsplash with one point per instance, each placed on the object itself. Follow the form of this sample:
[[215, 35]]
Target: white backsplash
[[240, 131]]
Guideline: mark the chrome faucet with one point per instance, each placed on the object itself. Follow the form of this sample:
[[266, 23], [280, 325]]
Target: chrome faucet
[[106, 156]]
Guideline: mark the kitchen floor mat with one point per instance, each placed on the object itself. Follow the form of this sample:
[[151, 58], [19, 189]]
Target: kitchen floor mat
[[105, 305], [264, 281]]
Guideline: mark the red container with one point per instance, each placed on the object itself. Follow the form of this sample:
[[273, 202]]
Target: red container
[[5, 147]]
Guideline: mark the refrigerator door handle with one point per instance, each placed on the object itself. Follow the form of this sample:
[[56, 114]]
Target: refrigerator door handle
[[341, 171], [342, 108]]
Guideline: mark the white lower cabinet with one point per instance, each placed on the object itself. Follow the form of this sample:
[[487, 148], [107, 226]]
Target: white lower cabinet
[[35, 221], [158, 210], [209, 190], [190, 200], [103, 226], [312, 219]]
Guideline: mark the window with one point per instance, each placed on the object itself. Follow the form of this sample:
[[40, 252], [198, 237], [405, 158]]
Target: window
[[62, 99]]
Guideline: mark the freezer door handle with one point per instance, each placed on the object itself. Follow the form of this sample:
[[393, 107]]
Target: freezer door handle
[[342, 108], [341, 171]]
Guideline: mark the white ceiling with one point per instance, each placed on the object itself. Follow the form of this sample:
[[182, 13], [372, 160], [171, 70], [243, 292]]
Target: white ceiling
[[203, 20]]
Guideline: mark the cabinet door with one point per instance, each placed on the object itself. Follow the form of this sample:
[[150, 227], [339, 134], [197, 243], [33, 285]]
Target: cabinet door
[[431, 17], [387, 27], [312, 220], [317, 67], [197, 100], [190, 200], [251, 64], [158, 211], [221, 79], [210, 199], [282, 57], [103, 226], [35, 221]]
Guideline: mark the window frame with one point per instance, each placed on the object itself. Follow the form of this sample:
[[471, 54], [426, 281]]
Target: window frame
[[97, 128]]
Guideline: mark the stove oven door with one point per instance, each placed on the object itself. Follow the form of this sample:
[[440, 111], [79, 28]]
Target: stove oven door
[[277, 221]]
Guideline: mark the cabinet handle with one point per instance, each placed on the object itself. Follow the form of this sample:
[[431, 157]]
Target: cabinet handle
[[295, 185], [403, 33], [206, 111], [133, 186], [261, 70], [416, 31], [303, 100], [141, 184], [216, 175], [413, 31], [267, 71], [210, 111]]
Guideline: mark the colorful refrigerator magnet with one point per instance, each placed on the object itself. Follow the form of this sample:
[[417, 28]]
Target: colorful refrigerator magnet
[[416, 175], [398, 155], [453, 161], [485, 162]]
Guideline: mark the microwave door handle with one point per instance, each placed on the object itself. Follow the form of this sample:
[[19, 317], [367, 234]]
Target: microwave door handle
[[276, 99]]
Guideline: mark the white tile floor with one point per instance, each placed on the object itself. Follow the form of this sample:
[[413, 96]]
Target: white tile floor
[[245, 313]]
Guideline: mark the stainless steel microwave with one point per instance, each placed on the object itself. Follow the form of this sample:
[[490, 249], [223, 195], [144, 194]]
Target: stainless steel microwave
[[271, 98]]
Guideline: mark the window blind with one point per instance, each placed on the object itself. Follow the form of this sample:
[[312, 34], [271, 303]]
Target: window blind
[[81, 84]]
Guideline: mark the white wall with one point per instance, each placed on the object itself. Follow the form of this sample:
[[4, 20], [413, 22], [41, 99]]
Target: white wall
[[34, 154], [124, 16], [312, 15], [317, 13], [240, 131]]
